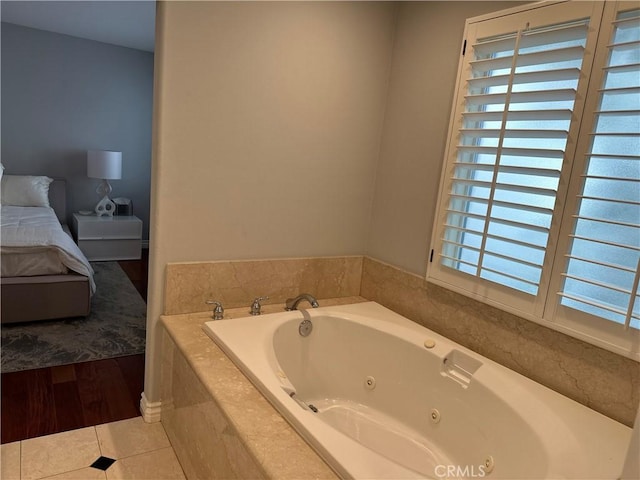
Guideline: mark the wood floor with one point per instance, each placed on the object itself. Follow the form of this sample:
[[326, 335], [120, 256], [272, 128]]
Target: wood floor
[[138, 272], [56, 399]]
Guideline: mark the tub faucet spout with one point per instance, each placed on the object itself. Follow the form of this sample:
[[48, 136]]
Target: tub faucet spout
[[292, 303]]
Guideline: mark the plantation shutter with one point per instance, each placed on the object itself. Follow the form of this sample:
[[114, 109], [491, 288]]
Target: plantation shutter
[[603, 263], [539, 206], [520, 94]]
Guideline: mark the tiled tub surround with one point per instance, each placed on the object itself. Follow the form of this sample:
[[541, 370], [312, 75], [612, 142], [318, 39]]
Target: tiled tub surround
[[219, 425], [237, 283], [601, 380], [365, 391]]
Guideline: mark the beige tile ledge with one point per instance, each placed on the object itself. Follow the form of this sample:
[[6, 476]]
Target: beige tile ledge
[[266, 434], [235, 283]]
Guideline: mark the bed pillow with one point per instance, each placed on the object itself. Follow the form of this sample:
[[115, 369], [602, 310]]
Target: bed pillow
[[25, 190]]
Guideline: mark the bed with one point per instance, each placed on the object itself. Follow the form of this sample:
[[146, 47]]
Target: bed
[[45, 275]]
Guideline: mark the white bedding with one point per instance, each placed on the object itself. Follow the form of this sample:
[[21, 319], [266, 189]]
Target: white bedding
[[34, 243]]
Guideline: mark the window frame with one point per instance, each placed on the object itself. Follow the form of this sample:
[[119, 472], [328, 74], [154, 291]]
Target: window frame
[[543, 308]]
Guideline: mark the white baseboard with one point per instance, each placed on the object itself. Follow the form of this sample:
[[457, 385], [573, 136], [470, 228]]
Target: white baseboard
[[150, 410]]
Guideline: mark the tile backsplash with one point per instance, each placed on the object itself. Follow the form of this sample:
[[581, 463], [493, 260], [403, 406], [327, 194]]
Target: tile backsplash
[[237, 283]]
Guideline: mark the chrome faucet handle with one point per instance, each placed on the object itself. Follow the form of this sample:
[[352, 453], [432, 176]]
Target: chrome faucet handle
[[218, 312], [255, 306]]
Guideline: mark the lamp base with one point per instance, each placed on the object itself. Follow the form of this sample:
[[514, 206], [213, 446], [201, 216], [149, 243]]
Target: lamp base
[[105, 207]]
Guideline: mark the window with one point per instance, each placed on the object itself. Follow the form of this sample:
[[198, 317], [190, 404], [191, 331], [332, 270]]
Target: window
[[539, 210]]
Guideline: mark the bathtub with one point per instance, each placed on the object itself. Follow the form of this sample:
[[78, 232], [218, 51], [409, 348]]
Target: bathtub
[[378, 396]]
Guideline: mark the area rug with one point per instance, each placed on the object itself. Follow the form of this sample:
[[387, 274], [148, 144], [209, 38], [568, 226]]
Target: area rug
[[114, 328]]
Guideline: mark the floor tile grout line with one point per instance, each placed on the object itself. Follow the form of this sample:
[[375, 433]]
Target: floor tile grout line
[[145, 452], [21, 459], [61, 473], [152, 451], [95, 432], [95, 429], [148, 425]]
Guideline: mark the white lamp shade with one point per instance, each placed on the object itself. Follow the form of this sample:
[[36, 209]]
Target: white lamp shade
[[104, 164]]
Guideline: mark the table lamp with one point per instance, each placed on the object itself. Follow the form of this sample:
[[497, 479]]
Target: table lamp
[[105, 165]]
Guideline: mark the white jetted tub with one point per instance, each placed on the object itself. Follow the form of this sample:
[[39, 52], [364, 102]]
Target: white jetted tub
[[378, 396]]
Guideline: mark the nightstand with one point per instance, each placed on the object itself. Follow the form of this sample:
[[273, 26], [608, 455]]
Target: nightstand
[[108, 238]]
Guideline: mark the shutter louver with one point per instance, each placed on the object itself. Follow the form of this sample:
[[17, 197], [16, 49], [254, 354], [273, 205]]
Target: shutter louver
[[518, 108], [603, 267]]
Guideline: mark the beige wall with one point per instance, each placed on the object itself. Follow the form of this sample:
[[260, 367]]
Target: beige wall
[[423, 76], [266, 133], [269, 126]]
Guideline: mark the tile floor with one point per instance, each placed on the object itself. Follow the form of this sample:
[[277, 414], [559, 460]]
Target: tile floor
[[140, 450]]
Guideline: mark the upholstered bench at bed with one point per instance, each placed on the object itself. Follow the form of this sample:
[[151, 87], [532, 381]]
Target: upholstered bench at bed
[[45, 297]]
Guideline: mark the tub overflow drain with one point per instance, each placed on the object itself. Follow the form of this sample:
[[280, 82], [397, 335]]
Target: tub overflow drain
[[305, 327]]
